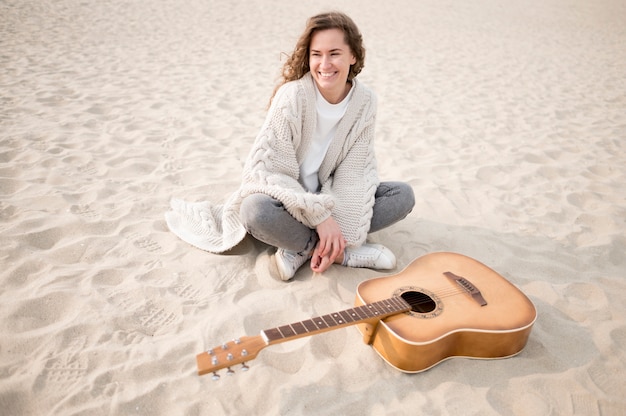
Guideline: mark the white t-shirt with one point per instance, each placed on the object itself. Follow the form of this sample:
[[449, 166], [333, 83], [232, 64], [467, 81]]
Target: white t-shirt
[[328, 117]]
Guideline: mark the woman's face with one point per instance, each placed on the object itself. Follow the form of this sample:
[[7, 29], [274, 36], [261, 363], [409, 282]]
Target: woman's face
[[330, 58]]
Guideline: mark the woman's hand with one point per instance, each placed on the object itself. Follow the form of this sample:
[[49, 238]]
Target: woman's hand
[[330, 246]]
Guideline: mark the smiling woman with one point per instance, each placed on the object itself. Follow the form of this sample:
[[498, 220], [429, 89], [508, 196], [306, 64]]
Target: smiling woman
[[310, 185]]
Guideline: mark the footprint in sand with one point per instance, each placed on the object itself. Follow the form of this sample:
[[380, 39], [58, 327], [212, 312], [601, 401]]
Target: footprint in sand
[[65, 368], [144, 242], [154, 318], [147, 244], [185, 289], [141, 313], [85, 212], [88, 169]]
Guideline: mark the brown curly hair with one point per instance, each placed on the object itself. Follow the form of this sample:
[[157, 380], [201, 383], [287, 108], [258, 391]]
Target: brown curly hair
[[297, 64]]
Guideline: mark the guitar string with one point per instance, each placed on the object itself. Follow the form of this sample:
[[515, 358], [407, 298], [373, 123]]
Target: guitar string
[[442, 293]]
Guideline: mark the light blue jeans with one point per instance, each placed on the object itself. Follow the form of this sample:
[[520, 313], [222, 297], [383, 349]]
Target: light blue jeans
[[267, 220]]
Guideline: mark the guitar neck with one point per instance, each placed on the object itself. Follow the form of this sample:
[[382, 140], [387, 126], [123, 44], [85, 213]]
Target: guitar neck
[[241, 350], [366, 313]]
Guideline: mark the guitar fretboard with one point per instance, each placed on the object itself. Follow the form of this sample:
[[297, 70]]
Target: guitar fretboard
[[376, 310]]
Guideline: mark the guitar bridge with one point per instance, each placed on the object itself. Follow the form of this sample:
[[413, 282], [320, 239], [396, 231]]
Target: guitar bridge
[[468, 287]]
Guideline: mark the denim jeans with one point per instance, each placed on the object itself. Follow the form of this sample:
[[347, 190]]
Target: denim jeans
[[267, 220]]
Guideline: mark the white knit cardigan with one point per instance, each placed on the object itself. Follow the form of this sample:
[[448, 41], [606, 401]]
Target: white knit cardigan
[[348, 174]]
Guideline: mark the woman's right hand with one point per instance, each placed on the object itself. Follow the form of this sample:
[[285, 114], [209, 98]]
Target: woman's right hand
[[331, 244]]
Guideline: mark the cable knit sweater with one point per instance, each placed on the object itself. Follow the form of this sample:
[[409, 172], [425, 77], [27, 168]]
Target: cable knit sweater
[[348, 174]]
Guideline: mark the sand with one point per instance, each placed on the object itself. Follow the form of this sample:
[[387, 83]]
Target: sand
[[507, 118]]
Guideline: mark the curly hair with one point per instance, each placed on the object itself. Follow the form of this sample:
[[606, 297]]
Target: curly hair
[[297, 64]]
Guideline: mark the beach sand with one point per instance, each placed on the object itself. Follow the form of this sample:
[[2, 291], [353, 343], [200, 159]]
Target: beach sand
[[507, 118]]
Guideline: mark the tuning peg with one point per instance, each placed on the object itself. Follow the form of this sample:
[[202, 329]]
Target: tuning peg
[[215, 376], [230, 371], [244, 367]]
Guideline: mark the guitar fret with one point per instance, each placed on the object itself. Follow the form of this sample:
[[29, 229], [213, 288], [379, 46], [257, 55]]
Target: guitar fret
[[320, 323], [299, 328], [336, 319], [377, 309], [385, 306], [380, 308], [389, 305], [346, 316], [309, 325], [354, 314], [329, 320], [401, 303], [394, 305], [272, 334], [371, 310], [286, 331], [363, 312]]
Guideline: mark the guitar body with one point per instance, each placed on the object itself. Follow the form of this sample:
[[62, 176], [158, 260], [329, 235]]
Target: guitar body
[[462, 308]]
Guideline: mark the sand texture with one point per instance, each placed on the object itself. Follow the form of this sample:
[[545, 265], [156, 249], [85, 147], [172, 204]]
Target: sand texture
[[507, 118]]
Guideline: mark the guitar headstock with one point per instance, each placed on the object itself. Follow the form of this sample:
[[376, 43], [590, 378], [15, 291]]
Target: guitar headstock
[[229, 354]]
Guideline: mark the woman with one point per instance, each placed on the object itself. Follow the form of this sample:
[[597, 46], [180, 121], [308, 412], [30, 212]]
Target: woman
[[310, 186]]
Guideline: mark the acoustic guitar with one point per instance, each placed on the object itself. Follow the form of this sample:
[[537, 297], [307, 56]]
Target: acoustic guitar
[[440, 306]]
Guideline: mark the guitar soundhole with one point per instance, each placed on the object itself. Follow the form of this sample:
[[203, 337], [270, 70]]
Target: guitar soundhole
[[420, 302]]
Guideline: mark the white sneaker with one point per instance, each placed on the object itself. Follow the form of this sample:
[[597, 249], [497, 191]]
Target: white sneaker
[[370, 256], [288, 262]]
